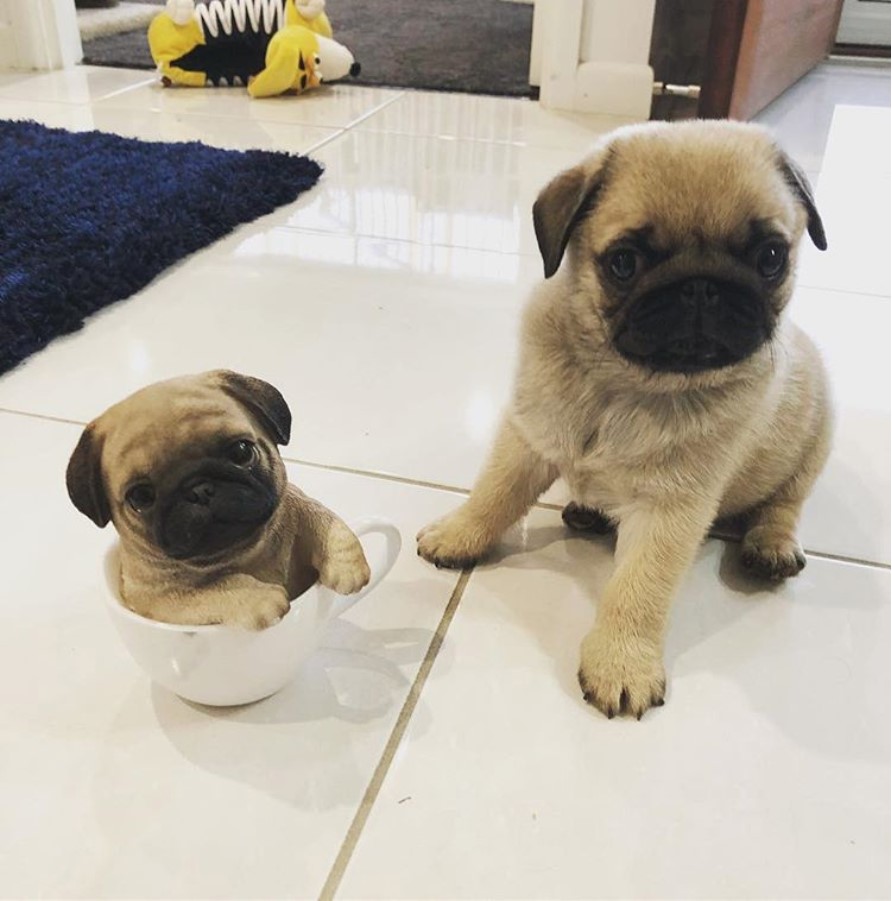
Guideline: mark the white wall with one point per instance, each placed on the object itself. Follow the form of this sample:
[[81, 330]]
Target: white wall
[[38, 34], [7, 44]]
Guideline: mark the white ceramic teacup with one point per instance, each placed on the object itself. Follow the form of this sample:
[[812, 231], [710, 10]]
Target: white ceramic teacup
[[223, 666]]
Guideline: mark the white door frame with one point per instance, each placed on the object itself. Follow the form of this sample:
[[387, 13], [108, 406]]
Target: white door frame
[[592, 56], [39, 34]]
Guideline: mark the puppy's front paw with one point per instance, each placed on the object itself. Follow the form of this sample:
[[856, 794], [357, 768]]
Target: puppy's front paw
[[260, 610], [454, 542], [621, 677], [771, 554], [344, 569]]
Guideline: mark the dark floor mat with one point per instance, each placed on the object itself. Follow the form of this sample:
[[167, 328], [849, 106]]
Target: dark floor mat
[[90, 218]]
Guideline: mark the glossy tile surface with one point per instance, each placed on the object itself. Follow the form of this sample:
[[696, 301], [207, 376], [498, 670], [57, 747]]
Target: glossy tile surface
[[385, 305], [500, 119], [334, 106], [853, 194], [350, 329], [432, 190], [151, 125], [83, 84], [801, 117], [848, 512], [764, 776], [113, 787]]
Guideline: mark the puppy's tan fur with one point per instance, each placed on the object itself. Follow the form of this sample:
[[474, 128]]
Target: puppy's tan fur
[[249, 585], [661, 454]]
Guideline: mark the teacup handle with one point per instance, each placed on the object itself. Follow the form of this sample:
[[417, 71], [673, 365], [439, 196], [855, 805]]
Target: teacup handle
[[380, 565]]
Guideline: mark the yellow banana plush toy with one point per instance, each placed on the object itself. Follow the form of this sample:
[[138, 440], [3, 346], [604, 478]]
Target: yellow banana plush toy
[[272, 46]]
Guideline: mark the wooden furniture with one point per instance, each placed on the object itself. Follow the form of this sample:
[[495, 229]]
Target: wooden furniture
[[758, 48]]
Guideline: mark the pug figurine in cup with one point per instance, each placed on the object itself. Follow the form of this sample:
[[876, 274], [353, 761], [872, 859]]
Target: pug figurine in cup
[[211, 531]]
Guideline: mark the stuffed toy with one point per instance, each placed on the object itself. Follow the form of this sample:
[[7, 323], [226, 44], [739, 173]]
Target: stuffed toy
[[272, 46]]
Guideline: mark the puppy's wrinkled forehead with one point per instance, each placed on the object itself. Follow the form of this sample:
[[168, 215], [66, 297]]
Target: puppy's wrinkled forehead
[[169, 420], [682, 191]]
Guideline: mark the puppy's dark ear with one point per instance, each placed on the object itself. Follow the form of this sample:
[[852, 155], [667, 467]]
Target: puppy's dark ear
[[798, 182], [262, 399], [84, 479], [559, 208]]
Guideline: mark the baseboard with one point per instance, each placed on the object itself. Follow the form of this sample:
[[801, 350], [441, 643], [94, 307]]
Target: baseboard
[[869, 51]]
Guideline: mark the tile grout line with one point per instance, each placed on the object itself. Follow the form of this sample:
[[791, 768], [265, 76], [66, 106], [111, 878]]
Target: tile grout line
[[297, 461], [339, 133], [874, 294], [339, 129], [43, 416], [342, 130], [151, 78], [384, 476], [375, 111], [354, 832], [731, 538], [839, 558], [455, 489], [523, 255]]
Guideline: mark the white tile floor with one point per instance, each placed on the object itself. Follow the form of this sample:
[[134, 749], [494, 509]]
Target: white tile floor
[[384, 304]]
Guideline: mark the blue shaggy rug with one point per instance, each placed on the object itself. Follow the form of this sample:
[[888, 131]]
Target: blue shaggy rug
[[87, 219]]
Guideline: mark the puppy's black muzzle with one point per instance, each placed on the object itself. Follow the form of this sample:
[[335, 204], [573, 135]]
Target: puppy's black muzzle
[[213, 507], [693, 325]]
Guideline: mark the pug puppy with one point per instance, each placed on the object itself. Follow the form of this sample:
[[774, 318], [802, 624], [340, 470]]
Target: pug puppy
[[659, 377], [189, 472]]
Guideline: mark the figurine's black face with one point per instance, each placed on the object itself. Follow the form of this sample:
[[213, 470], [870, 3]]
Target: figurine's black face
[[210, 500]]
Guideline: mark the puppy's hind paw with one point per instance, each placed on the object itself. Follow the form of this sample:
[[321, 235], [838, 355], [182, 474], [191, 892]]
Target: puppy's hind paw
[[586, 519], [770, 555]]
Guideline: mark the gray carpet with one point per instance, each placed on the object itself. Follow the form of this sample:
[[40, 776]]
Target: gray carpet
[[475, 46]]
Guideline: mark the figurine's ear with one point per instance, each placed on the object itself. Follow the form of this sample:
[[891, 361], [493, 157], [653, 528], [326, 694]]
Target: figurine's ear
[[84, 478], [261, 399], [796, 178]]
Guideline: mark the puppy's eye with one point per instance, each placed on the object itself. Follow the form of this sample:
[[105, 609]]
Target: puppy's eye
[[771, 259], [241, 452], [623, 264], [141, 497]]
